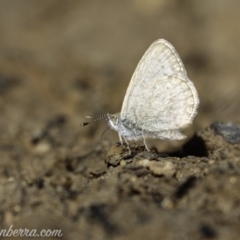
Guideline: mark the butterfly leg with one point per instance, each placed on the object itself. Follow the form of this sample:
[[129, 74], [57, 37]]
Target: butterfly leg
[[120, 138], [129, 150], [144, 140]]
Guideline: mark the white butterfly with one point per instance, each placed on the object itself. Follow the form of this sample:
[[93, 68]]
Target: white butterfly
[[160, 99]]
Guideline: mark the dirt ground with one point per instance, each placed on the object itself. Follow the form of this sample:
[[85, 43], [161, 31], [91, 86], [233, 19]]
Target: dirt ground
[[63, 60]]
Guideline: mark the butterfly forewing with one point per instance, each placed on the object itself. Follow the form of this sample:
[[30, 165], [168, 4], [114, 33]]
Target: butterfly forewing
[[159, 61]]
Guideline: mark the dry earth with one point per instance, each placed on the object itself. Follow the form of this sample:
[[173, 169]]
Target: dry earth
[[62, 60]]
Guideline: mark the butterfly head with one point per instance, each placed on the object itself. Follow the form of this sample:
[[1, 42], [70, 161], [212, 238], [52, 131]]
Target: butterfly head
[[113, 121]]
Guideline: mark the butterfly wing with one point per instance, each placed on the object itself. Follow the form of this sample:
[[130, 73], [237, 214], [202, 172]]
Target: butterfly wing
[[159, 61], [149, 95], [172, 105]]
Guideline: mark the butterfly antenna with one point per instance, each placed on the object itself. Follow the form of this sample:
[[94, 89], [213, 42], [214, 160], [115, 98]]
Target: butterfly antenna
[[94, 119]]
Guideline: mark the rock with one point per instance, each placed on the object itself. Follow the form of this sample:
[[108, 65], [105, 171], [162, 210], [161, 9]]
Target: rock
[[229, 131]]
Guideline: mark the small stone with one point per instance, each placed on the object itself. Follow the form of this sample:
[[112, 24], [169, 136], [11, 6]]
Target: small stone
[[42, 147], [116, 154], [165, 168], [123, 163], [167, 203], [229, 131]]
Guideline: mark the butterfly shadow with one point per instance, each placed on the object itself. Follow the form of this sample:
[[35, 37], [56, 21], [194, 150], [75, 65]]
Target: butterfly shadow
[[194, 147]]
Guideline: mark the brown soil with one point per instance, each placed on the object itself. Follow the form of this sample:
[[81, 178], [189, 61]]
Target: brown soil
[[62, 60]]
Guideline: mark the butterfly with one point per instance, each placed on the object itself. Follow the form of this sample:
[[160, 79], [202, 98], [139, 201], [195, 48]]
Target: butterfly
[[160, 100]]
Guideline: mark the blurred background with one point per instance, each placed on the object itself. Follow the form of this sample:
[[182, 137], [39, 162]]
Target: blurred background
[[63, 60], [69, 59]]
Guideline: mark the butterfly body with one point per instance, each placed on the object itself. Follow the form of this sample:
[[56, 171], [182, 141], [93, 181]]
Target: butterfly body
[[128, 130]]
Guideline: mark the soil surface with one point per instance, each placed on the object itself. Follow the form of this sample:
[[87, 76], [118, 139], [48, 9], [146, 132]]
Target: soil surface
[[63, 60]]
